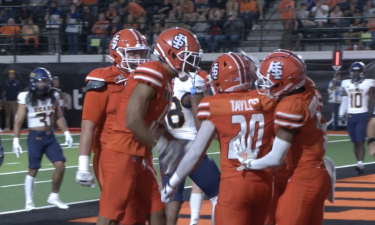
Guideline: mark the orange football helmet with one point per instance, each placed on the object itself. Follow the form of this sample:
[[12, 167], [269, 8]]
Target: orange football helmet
[[128, 49], [281, 72], [180, 49], [230, 72]]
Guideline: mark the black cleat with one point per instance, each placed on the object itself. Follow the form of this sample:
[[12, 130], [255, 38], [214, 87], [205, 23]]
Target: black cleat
[[360, 170]]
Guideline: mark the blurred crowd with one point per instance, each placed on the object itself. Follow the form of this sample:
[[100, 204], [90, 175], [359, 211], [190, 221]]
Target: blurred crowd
[[356, 17], [86, 26]]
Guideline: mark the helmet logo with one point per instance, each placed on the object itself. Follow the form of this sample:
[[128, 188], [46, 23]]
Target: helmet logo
[[115, 42], [178, 41], [276, 70], [215, 71]]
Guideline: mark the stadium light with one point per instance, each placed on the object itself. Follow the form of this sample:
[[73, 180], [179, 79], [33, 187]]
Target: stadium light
[[337, 60]]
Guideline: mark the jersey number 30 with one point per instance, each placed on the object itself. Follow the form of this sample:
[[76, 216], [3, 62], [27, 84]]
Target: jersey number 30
[[254, 130]]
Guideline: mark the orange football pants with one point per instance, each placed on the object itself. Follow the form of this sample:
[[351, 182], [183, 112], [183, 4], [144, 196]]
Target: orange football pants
[[129, 188], [279, 184], [243, 201], [303, 200]]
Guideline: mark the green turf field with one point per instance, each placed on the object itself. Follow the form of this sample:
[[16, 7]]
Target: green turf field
[[13, 171]]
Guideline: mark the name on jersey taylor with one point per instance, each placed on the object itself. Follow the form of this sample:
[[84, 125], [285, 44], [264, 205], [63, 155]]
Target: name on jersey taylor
[[243, 105]]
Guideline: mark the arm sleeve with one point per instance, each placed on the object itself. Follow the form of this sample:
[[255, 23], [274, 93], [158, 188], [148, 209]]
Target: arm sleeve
[[95, 105], [21, 99], [343, 105], [204, 110], [274, 158], [290, 114], [150, 75], [194, 153]]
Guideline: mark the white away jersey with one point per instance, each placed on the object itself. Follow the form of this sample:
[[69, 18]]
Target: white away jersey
[[358, 95], [180, 119], [40, 116]]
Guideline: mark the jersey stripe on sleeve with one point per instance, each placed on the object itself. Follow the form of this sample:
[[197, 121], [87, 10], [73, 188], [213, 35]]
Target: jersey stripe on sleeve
[[289, 120], [203, 110], [149, 75]]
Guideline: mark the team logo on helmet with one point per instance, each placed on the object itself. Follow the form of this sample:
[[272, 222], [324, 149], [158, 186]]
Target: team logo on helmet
[[276, 70], [178, 41], [115, 42], [215, 71]]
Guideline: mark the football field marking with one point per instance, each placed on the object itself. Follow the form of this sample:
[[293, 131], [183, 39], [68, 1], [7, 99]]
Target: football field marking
[[46, 169], [36, 182]]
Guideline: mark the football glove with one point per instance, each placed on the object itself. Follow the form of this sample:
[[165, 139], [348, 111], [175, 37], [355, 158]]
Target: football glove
[[170, 155], [83, 175], [167, 193], [17, 147], [244, 152], [68, 139]]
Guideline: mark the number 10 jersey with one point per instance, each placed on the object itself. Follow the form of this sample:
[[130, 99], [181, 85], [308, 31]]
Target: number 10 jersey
[[358, 95], [180, 119]]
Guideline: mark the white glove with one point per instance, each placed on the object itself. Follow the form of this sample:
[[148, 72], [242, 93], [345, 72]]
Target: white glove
[[68, 139], [167, 193], [83, 175], [244, 152], [170, 155], [16, 147]]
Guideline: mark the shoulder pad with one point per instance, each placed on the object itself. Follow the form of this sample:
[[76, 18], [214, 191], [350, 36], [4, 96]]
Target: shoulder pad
[[95, 85]]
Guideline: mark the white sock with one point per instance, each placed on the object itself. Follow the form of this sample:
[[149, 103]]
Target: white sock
[[54, 195], [213, 201], [360, 164], [195, 207], [29, 188]]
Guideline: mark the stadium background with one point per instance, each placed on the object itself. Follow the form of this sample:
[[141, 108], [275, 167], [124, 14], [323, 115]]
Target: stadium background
[[355, 195]]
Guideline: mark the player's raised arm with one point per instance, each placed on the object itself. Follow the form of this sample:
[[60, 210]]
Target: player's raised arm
[[20, 118], [196, 98], [139, 101]]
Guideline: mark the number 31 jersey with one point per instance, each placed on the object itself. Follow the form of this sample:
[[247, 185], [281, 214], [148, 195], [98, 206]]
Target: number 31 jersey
[[358, 95], [180, 120], [40, 115], [235, 115]]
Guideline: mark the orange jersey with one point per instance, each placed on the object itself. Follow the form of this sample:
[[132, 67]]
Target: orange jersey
[[235, 115], [302, 113], [154, 74], [100, 106]]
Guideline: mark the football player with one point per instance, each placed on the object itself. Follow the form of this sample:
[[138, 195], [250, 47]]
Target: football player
[[128, 49], [356, 93], [300, 136], [128, 151], [183, 124], [232, 112], [40, 105]]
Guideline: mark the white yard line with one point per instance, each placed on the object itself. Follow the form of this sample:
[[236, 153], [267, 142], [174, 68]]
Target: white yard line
[[13, 163], [75, 145], [15, 185], [48, 206], [46, 169]]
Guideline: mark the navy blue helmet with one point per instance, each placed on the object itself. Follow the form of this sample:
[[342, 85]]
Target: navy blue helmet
[[360, 67], [40, 80]]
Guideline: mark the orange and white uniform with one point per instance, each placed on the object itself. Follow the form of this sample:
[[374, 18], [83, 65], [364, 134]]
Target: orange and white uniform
[[100, 108], [129, 163], [281, 177], [244, 197], [104, 87]]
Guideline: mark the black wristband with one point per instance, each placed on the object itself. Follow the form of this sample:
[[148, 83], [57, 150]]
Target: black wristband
[[370, 140]]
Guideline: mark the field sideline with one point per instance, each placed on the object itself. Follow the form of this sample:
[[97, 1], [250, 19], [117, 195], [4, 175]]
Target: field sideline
[[14, 169]]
